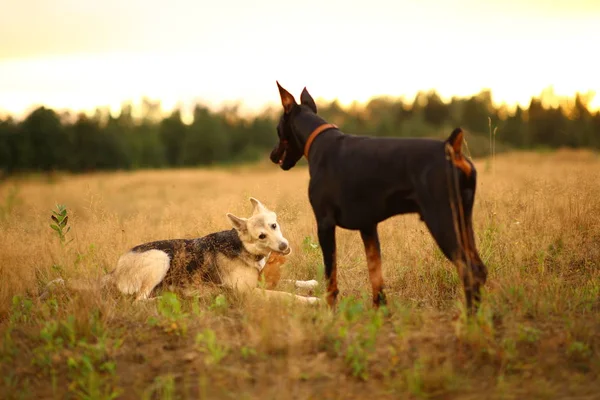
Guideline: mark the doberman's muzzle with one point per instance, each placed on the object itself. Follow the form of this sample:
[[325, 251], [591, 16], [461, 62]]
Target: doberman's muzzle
[[279, 152]]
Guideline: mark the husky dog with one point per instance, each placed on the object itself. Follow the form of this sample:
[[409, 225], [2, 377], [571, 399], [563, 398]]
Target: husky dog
[[232, 258]]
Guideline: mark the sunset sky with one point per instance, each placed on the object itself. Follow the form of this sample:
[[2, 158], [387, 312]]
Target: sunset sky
[[80, 54]]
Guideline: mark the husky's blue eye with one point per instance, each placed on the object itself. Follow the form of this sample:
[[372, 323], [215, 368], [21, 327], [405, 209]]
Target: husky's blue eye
[[274, 226], [262, 236]]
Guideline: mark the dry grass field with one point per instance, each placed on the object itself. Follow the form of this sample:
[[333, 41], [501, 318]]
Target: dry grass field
[[537, 335]]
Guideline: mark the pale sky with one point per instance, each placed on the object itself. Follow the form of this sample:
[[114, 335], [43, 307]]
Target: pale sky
[[80, 54]]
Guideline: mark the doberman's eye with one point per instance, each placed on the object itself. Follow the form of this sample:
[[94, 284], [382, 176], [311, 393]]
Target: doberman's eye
[[262, 236], [274, 226]]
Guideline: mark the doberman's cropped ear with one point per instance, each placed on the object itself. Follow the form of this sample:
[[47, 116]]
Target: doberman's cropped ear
[[240, 224], [455, 140], [287, 100], [307, 100]]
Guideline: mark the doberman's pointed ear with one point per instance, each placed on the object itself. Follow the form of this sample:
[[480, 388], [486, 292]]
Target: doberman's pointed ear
[[287, 100], [456, 139], [307, 100]]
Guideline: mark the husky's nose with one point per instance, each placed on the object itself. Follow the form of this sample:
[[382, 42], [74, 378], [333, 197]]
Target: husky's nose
[[283, 246]]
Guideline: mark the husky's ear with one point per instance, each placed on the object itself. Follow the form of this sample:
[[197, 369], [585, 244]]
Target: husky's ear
[[240, 224], [258, 206], [287, 100], [307, 100]]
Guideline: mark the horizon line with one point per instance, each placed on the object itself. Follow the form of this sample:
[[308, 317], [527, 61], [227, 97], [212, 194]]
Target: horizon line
[[591, 103]]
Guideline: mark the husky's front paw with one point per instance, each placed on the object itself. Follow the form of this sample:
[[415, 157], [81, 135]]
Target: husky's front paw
[[306, 284], [313, 300], [147, 300]]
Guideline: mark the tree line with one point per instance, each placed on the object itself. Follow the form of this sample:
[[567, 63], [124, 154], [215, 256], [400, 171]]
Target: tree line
[[46, 140]]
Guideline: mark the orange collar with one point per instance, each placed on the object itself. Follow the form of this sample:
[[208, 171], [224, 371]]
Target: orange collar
[[320, 129]]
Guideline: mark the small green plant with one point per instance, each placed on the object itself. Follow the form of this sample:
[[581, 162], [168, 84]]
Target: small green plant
[[169, 306], [68, 330], [478, 333], [247, 352], [17, 386], [7, 349], [163, 388], [207, 343], [21, 310], [51, 344], [92, 374], [309, 245], [85, 256], [50, 308], [61, 219], [356, 334], [528, 334], [414, 379], [219, 303], [196, 309], [509, 354], [172, 315], [579, 350]]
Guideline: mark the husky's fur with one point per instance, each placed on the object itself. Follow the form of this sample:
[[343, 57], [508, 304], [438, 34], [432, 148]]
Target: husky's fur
[[232, 258]]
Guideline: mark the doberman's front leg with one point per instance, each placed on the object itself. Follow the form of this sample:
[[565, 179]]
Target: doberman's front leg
[[372, 249], [327, 243]]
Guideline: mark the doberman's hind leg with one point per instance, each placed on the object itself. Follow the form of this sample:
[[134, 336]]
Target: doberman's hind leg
[[463, 253], [373, 251], [327, 242], [457, 242], [475, 271], [471, 270]]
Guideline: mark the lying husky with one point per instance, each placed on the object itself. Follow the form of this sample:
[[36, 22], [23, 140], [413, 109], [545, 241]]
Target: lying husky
[[232, 258]]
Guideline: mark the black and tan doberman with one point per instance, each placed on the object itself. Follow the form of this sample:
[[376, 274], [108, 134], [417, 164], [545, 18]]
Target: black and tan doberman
[[356, 182]]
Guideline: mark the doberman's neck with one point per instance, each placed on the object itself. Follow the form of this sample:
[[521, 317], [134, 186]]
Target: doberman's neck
[[304, 124]]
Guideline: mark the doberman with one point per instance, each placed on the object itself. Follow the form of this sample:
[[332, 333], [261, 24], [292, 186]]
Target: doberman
[[356, 182]]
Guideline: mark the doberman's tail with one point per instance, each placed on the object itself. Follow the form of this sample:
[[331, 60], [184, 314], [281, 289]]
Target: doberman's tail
[[461, 191], [458, 159]]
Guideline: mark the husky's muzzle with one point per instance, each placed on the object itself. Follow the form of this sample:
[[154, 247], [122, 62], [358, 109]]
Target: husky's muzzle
[[284, 248]]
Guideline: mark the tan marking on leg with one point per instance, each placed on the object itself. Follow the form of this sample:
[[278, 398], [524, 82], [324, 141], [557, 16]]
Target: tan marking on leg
[[332, 286], [374, 264]]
